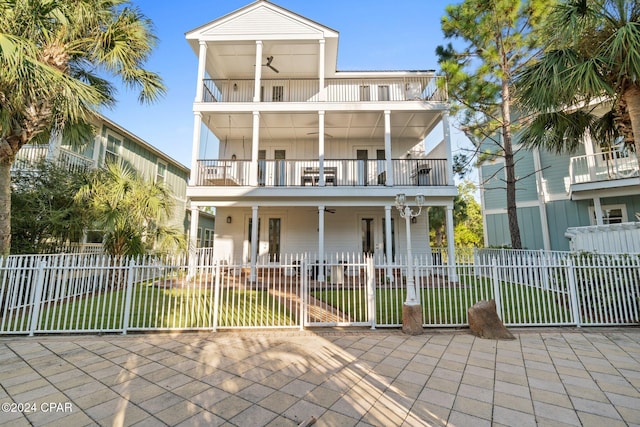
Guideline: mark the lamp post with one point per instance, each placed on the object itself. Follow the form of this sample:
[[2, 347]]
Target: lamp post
[[411, 309]]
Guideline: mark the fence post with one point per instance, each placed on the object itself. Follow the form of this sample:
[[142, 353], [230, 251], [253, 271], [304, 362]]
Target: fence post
[[496, 286], [303, 292], [216, 295], [371, 291], [573, 292], [127, 299], [37, 298]]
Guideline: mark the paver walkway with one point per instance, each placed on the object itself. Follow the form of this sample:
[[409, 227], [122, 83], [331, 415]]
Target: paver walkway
[[354, 378]]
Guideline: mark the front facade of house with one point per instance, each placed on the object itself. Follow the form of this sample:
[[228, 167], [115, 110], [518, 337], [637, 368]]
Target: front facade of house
[[561, 196], [114, 143], [310, 158]]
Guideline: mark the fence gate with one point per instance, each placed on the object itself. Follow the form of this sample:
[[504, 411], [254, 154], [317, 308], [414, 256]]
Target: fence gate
[[339, 292]]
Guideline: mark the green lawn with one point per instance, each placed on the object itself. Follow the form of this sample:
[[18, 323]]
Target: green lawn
[[154, 307], [448, 306]]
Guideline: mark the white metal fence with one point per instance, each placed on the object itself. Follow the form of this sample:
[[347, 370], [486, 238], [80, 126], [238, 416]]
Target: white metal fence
[[95, 293]]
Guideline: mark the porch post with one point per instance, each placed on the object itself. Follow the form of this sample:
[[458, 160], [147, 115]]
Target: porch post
[[537, 164], [256, 89], [446, 132], [387, 148], [202, 62], [321, 148], [451, 256], [195, 150], [429, 249], [254, 242], [253, 179], [321, 92], [389, 246], [597, 207], [193, 241], [320, 277]]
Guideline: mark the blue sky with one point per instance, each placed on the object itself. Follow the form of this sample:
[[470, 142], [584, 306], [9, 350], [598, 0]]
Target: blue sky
[[374, 35]]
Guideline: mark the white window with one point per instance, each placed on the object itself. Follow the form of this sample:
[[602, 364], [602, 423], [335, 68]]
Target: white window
[[611, 214], [112, 151], [161, 171]]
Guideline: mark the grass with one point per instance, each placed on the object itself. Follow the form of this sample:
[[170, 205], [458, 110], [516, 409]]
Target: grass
[[187, 308], [448, 306], [157, 308]]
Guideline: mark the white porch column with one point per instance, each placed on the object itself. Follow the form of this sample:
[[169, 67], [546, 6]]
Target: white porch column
[[256, 89], [320, 277], [451, 256], [195, 147], [387, 148], [389, 242], [255, 141], [321, 147], [542, 202], [446, 132], [321, 66], [597, 207], [202, 63], [428, 225], [254, 242], [193, 242]]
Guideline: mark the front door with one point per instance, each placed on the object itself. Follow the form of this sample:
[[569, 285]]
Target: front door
[[368, 236]]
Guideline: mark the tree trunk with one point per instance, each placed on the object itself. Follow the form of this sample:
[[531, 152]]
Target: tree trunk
[[5, 207], [509, 165], [632, 97]]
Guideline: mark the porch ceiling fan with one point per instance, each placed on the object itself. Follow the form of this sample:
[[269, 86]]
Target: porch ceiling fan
[[268, 64], [328, 210]]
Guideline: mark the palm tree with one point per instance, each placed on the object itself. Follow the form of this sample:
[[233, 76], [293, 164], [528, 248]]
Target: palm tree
[[593, 55], [52, 56], [130, 211]]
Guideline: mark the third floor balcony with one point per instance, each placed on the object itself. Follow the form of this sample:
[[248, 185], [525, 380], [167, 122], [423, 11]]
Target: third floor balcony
[[427, 89]]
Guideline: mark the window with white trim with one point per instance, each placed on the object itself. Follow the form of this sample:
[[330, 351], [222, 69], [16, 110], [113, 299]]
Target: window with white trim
[[112, 151], [611, 214], [161, 171]]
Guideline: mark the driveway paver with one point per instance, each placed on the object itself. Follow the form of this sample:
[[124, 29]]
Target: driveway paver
[[342, 378]]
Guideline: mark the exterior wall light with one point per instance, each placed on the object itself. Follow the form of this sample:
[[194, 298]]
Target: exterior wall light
[[229, 219]]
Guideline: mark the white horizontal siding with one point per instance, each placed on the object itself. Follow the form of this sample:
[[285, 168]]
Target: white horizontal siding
[[261, 21]]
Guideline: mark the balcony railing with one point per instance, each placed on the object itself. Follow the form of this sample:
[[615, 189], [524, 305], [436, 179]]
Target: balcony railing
[[337, 173], [30, 155], [337, 90], [610, 165]]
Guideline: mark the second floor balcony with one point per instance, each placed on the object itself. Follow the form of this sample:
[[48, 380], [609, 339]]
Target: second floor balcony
[[335, 173], [31, 155], [603, 167], [430, 89]]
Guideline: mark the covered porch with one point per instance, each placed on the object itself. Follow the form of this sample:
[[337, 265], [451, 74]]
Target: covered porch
[[246, 233]]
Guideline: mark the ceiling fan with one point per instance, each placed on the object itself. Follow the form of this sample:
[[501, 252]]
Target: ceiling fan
[[318, 133], [268, 64]]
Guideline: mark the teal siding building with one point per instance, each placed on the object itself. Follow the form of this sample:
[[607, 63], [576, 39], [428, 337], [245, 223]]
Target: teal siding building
[[556, 191]]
